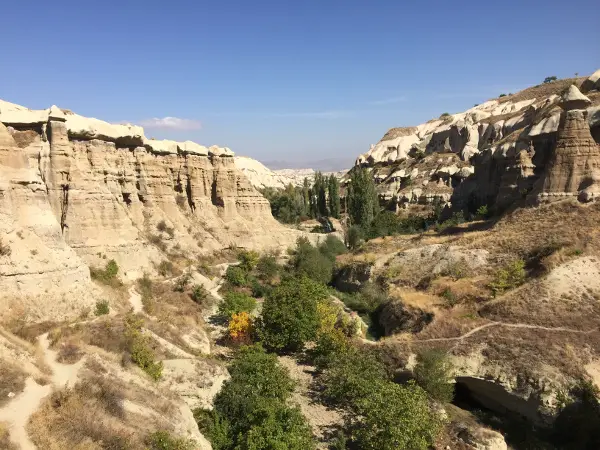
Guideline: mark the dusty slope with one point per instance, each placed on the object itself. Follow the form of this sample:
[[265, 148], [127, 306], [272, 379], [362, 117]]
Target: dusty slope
[[531, 340]]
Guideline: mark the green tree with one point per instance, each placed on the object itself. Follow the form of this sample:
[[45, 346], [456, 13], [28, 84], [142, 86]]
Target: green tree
[[332, 247], [251, 411], [236, 276], [289, 315], [333, 188], [248, 260], [363, 203], [267, 267], [320, 190], [353, 236], [235, 303], [433, 372], [309, 261], [393, 417], [306, 196]]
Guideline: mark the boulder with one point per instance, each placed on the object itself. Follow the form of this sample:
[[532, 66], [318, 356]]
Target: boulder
[[592, 83]]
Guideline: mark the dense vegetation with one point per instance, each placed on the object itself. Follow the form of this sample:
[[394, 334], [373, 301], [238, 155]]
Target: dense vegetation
[[253, 410], [321, 198]]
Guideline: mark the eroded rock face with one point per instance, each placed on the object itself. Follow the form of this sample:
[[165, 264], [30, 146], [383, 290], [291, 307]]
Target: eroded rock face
[[574, 168], [476, 157], [90, 191]]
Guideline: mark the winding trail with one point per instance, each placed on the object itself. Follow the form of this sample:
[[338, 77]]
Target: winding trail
[[18, 411], [508, 325]]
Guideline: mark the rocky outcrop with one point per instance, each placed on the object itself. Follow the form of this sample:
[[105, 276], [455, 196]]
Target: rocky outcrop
[[592, 83], [84, 188], [574, 168], [493, 154]]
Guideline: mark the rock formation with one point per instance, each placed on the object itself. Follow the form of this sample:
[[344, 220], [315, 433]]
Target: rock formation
[[84, 188], [493, 154], [574, 167]]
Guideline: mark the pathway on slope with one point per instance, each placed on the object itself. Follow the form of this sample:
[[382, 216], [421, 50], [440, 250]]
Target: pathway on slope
[[508, 325], [18, 411]]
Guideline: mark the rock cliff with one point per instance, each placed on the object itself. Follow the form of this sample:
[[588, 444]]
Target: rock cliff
[[77, 191], [495, 153]]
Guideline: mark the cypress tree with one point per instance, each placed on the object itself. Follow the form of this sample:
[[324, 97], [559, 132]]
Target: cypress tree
[[333, 186]]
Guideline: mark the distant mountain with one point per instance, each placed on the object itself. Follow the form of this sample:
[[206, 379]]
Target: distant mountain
[[324, 165]]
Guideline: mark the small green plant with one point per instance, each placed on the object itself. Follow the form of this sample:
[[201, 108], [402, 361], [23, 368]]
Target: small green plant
[[163, 440], [354, 236], [248, 260], [433, 372], [483, 212], [235, 303], [509, 277], [445, 115], [102, 308], [236, 276], [550, 79], [199, 294], [108, 275], [450, 297], [139, 348], [166, 268], [267, 267], [502, 95], [182, 282]]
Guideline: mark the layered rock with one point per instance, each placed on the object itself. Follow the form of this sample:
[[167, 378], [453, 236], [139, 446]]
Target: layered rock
[[574, 168], [88, 189], [492, 154], [34, 257]]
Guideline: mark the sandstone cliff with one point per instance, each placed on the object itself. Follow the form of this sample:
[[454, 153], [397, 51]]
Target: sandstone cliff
[[492, 154], [77, 191]]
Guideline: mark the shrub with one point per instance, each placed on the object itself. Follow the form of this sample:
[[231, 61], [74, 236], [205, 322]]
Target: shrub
[[289, 316], [267, 267], [182, 282], [332, 247], [433, 372], [248, 260], [181, 200], [156, 239], [354, 236], [350, 376], [162, 227], [139, 348], [163, 440], [509, 277], [199, 294], [550, 79], [251, 411], [258, 290], [456, 219], [577, 425], [166, 268], [235, 276], [235, 303], [240, 328], [483, 212], [108, 275], [450, 297], [386, 223], [445, 115], [309, 261], [394, 417], [502, 95], [102, 308]]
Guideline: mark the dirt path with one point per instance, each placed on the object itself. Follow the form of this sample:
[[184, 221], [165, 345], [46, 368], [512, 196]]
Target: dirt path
[[136, 300], [18, 411], [508, 325], [322, 420]]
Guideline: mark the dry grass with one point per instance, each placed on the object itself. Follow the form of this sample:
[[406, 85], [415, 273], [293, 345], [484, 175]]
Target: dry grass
[[12, 379], [5, 442], [394, 133], [31, 331], [69, 353], [542, 90], [88, 416]]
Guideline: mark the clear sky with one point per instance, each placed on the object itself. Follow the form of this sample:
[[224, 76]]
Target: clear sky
[[279, 80]]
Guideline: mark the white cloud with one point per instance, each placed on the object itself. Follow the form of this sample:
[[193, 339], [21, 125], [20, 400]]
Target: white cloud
[[389, 101], [171, 123]]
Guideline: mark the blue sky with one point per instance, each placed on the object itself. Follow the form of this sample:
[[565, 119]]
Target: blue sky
[[293, 81]]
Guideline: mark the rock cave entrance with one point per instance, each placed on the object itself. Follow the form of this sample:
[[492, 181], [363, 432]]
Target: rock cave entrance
[[495, 412]]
